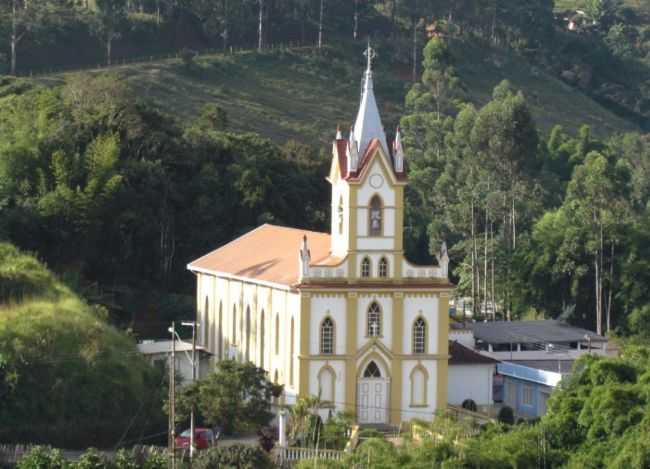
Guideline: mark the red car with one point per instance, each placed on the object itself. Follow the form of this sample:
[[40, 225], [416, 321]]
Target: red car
[[204, 438]]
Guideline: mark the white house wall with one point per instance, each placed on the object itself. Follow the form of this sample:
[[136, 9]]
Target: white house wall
[[470, 382]]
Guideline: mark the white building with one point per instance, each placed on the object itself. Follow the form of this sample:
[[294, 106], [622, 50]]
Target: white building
[[344, 314], [158, 352], [471, 376]]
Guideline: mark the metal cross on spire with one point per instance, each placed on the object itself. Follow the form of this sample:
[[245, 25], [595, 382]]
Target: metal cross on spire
[[371, 54]]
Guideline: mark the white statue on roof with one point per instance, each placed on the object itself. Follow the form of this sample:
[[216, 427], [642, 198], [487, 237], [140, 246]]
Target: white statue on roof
[[368, 124]]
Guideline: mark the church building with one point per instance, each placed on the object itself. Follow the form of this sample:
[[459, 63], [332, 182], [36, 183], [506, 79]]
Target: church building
[[341, 315]]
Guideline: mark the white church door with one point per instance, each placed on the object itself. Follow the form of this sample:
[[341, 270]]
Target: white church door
[[372, 396]]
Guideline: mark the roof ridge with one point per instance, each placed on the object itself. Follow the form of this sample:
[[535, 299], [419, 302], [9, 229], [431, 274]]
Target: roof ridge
[[238, 238]]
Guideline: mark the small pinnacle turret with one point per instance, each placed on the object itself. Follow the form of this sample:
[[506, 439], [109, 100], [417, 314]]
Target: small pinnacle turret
[[352, 154], [398, 152]]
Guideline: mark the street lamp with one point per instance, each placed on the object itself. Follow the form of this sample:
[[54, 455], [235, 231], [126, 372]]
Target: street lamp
[[194, 325]]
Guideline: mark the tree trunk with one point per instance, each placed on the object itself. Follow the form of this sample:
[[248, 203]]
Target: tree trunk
[[259, 25], [473, 262], [109, 47], [14, 36], [355, 29], [596, 288], [320, 24], [415, 50], [485, 258], [494, 301], [225, 25], [611, 290]]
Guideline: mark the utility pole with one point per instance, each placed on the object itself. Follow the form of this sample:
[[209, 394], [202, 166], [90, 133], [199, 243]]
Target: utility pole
[[172, 397], [192, 436], [193, 325]]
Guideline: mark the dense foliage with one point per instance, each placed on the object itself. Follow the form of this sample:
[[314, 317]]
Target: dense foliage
[[47, 458], [234, 456], [88, 165], [554, 226], [67, 377]]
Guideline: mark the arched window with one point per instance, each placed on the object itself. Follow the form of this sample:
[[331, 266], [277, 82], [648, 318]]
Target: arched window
[[326, 379], [247, 337], [419, 335], [327, 336], [220, 333], [365, 267], [376, 217], [276, 400], [262, 339], [372, 371], [374, 320], [277, 334], [203, 324], [383, 267], [233, 339], [339, 215], [418, 386], [291, 360]]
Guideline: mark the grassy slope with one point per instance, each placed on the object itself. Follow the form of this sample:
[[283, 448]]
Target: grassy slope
[[289, 95], [563, 5], [552, 101]]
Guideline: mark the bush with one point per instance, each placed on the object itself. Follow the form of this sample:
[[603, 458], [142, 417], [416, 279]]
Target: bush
[[469, 404], [42, 458], [187, 57], [506, 415], [91, 459], [235, 457], [267, 436]]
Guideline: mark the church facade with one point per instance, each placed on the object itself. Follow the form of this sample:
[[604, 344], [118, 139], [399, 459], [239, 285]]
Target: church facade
[[341, 315]]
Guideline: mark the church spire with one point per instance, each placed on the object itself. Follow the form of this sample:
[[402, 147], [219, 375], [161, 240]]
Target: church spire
[[368, 124]]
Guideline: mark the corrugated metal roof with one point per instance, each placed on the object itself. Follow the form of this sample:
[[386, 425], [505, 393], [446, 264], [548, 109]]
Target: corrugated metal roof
[[165, 346], [525, 373], [526, 332]]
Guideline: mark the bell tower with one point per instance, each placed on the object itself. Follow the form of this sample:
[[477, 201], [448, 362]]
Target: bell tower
[[368, 178]]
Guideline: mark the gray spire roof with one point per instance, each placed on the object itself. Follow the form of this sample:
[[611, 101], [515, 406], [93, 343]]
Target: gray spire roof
[[368, 124]]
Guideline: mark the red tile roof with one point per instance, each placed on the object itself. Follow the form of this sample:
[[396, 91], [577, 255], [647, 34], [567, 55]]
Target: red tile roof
[[461, 355], [268, 253], [373, 146]]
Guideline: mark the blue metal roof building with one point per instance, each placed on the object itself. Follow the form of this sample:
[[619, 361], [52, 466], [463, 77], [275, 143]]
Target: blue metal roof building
[[526, 389]]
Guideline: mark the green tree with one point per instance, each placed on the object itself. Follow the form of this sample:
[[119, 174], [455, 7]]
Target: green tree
[[236, 397]]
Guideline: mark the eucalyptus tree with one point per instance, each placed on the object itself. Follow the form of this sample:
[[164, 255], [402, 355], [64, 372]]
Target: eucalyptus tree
[[109, 20], [21, 18]]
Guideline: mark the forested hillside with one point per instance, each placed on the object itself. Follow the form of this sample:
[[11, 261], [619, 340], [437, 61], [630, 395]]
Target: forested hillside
[[117, 179]]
